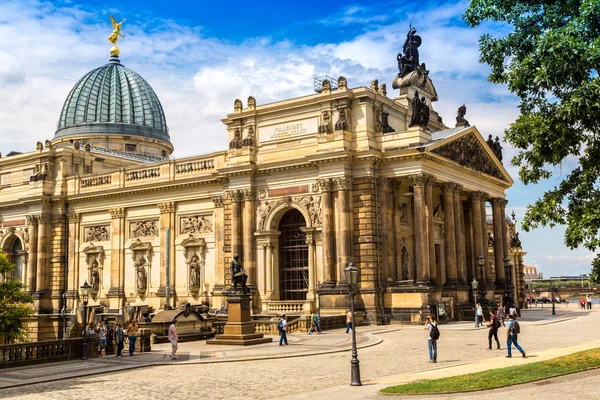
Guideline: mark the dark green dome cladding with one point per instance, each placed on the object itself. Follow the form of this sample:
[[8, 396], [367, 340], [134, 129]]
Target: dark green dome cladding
[[113, 99]]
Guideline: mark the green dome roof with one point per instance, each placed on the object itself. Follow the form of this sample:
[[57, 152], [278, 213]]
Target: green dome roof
[[113, 99]]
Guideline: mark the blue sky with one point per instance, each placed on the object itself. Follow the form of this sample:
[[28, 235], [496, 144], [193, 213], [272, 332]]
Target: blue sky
[[199, 56]]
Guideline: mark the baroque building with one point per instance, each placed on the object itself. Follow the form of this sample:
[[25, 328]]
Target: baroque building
[[305, 186]]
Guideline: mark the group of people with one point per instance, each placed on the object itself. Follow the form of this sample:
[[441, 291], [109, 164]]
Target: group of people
[[110, 336], [585, 302], [496, 320]]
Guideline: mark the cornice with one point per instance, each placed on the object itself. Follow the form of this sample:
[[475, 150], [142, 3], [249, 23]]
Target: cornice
[[469, 171]]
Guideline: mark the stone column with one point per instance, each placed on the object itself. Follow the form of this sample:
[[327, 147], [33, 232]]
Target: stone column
[[72, 259], [248, 233], [430, 232], [344, 236], [329, 276], [478, 243], [469, 246], [219, 243], [449, 233], [387, 243], [488, 276], [421, 256], [458, 230], [117, 260], [42, 255], [167, 210], [498, 241], [504, 228], [312, 268], [268, 249], [236, 222], [32, 222]]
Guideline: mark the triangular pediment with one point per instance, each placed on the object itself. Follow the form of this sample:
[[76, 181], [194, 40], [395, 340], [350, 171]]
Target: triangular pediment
[[470, 150]]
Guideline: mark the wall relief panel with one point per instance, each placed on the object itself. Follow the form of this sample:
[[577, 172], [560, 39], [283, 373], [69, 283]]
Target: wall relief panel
[[196, 224], [146, 228], [99, 233]]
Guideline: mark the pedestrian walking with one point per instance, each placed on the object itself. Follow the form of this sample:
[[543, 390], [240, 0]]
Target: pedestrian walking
[[120, 338], [493, 325], [110, 338], [501, 314], [513, 311], [101, 337], [132, 331], [282, 327], [588, 300], [315, 323], [348, 321], [582, 302], [512, 332], [433, 334], [91, 330], [173, 338], [479, 316]]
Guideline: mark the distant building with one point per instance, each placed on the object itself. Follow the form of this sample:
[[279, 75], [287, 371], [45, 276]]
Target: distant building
[[531, 272]]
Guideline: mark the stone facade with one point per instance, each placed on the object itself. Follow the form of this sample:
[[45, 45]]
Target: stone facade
[[408, 205]]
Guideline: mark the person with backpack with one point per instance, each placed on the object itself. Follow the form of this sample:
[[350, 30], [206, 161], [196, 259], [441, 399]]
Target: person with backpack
[[314, 323], [433, 334], [512, 331], [282, 328], [493, 325]]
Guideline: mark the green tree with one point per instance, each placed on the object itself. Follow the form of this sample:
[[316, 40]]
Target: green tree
[[15, 305], [550, 59]]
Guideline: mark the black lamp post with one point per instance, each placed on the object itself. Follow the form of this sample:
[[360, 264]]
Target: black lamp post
[[475, 284], [508, 297], [351, 279], [85, 292], [552, 291], [482, 292]]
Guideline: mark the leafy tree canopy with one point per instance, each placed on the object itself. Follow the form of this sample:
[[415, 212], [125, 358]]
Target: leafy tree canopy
[[550, 60], [15, 305]]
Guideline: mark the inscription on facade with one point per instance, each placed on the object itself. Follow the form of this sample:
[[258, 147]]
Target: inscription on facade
[[144, 228], [288, 130], [16, 177]]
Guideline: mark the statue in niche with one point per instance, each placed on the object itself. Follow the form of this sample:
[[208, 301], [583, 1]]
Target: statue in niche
[[238, 276], [405, 260], [94, 276], [497, 148], [325, 126], [236, 142], [490, 240], [194, 272], [141, 276], [409, 61], [460, 116], [404, 213]]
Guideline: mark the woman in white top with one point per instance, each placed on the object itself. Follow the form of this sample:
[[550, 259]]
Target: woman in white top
[[431, 343]]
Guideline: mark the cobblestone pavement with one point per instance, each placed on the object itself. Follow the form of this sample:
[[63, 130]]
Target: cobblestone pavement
[[401, 350]]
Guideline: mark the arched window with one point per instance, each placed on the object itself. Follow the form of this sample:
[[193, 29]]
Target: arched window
[[293, 257], [17, 258]]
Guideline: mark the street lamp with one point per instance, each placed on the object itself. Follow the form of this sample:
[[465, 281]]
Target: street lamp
[[475, 284], [552, 292], [481, 262], [85, 292], [508, 298], [351, 279]]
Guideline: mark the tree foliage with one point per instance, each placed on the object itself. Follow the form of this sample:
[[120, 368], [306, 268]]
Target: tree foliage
[[15, 305], [550, 60]]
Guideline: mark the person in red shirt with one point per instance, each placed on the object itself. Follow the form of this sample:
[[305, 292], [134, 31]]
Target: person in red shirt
[[493, 325]]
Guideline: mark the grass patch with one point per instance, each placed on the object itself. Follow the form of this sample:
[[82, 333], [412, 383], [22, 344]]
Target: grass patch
[[503, 376]]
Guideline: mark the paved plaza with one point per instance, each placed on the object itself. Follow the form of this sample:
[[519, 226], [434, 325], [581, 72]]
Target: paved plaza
[[318, 366]]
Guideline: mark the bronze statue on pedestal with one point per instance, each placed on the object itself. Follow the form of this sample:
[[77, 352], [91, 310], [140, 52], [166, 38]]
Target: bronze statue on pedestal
[[238, 275]]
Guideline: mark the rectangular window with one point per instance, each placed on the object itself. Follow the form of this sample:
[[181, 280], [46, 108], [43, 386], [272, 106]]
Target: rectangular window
[[130, 148]]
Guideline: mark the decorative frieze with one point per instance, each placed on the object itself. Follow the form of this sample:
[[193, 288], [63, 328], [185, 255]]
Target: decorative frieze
[[98, 233], [247, 194], [196, 224], [311, 204], [323, 185], [145, 228], [342, 183], [422, 180]]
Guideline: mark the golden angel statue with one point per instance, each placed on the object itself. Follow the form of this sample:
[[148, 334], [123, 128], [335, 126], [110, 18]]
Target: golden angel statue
[[114, 36]]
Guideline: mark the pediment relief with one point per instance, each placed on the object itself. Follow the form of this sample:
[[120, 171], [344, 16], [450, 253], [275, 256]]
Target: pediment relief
[[468, 151]]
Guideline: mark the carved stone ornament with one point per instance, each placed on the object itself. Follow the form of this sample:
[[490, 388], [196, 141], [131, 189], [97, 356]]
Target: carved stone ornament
[[382, 122], [342, 83], [48, 144], [218, 201], [342, 122], [195, 258], [490, 238], [325, 87], [40, 173], [422, 180], [141, 253], [145, 228], [383, 89], [460, 116], [251, 103], [237, 106], [468, 151], [22, 233], [262, 194], [405, 263], [323, 185], [342, 183], [39, 146], [93, 258], [236, 142], [312, 205], [196, 224], [375, 86], [420, 111], [249, 140], [167, 207], [117, 213], [438, 212], [403, 213], [325, 126], [98, 233]]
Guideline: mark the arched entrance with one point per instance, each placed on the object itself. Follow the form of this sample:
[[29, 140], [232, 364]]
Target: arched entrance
[[293, 257]]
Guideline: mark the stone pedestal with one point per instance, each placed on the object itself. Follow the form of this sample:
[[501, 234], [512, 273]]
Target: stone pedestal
[[239, 329]]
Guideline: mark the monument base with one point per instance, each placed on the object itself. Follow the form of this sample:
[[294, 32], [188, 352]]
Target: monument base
[[239, 329]]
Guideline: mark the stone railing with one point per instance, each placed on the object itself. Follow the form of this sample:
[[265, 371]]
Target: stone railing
[[194, 166], [140, 174], [286, 307], [13, 355], [96, 181]]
